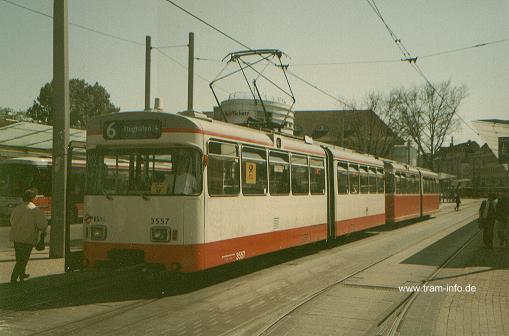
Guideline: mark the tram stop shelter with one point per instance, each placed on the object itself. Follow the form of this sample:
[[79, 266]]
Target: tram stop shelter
[[21, 138]]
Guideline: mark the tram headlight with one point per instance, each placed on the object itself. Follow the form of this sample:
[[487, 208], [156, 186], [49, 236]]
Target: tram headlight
[[98, 232], [159, 234]]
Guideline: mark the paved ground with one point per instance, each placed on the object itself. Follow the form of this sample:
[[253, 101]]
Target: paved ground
[[483, 312], [39, 264], [250, 304]]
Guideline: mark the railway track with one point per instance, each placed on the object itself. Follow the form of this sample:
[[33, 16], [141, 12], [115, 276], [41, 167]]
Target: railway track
[[106, 282], [398, 310]]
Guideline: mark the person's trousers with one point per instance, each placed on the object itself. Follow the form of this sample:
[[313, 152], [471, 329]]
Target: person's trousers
[[487, 234], [22, 255]]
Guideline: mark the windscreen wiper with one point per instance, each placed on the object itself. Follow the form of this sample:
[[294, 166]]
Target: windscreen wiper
[[107, 195], [140, 192]]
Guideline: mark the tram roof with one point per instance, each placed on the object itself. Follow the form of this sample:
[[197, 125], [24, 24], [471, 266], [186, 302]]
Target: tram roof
[[31, 160], [427, 172], [401, 167], [236, 133], [171, 122], [349, 155]]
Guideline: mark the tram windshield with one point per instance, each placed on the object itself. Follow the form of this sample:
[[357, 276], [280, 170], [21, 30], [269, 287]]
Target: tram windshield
[[168, 171], [16, 178]]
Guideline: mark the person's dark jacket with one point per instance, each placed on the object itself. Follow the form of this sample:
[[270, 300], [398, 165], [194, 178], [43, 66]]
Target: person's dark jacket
[[503, 209]]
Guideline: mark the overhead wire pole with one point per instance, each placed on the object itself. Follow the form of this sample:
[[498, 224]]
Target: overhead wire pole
[[190, 73], [60, 127], [148, 50]]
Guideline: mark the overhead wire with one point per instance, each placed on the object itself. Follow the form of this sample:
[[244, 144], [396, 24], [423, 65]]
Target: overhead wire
[[76, 25], [346, 63], [185, 67], [413, 61], [479, 45], [249, 48], [208, 24], [438, 53], [157, 48]]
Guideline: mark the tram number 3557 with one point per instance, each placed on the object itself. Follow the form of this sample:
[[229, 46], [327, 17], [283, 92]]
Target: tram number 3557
[[160, 220], [240, 255]]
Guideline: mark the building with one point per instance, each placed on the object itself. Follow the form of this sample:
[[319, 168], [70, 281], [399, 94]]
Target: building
[[496, 134], [242, 109], [360, 130], [476, 168]]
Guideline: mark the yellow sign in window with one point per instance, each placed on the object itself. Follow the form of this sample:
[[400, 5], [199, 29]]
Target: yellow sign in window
[[250, 173], [158, 188]]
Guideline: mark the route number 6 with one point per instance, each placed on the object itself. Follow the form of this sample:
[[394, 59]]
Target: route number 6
[[111, 131]]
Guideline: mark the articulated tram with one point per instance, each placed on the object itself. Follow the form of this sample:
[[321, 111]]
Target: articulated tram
[[191, 193]]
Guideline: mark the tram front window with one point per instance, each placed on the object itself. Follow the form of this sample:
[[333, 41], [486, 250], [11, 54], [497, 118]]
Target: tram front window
[[142, 172]]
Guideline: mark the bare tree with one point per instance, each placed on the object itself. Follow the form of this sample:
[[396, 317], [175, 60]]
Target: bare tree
[[428, 114], [375, 126]]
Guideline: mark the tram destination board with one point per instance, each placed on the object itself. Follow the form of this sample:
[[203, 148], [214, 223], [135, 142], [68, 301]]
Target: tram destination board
[[132, 129]]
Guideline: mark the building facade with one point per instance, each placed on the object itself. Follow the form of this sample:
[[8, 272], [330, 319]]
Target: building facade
[[360, 130], [476, 168]]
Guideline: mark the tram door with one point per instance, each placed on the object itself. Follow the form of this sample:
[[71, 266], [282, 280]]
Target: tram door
[[331, 195], [74, 198]]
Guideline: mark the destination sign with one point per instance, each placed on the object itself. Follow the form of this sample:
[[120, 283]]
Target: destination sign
[[132, 129]]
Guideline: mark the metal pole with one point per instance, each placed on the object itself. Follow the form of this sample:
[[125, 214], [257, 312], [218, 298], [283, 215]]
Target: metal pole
[[60, 127], [148, 49], [190, 73], [408, 151]]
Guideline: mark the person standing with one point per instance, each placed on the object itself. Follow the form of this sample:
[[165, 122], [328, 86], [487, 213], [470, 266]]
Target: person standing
[[458, 201], [26, 223], [502, 217], [487, 216]]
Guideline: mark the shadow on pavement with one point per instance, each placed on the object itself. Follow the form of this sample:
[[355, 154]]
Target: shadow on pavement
[[474, 255]]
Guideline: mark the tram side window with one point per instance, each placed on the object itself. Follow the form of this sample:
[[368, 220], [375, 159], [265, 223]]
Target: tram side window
[[390, 180], [317, 176], [279, 173], [343, 178], [399, 184], [254, 171], [411, 184], [372, 180], [427, 186], [223, 169], [43, 181], [77, 184], [364, 179], [380, 181], [300, 175], [353, 178]]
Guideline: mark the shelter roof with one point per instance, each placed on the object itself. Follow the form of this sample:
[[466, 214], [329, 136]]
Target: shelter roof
[[31, 136]]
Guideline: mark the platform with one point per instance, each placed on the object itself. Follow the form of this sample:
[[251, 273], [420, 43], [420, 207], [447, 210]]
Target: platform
[[352, 288]]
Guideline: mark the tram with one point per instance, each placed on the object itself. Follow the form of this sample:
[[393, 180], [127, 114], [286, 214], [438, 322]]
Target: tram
[[22, 173], [192, 193]]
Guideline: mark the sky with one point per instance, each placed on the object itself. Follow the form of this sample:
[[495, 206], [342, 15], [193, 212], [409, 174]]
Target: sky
[[309, 32]]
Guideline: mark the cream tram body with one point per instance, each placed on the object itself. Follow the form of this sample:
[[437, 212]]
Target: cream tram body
[[194, 193], [232, 220]]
